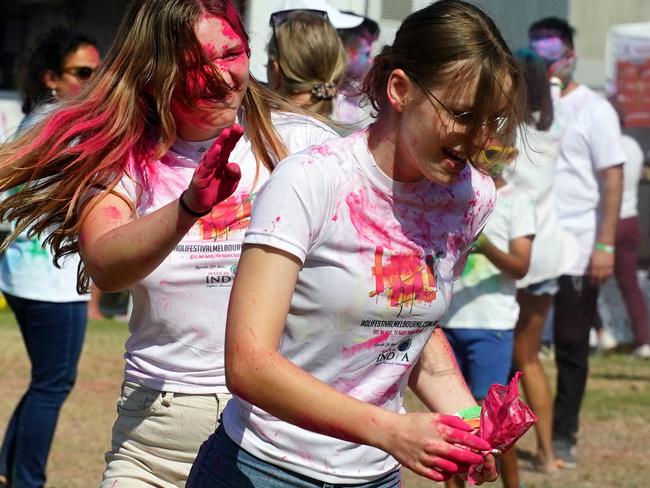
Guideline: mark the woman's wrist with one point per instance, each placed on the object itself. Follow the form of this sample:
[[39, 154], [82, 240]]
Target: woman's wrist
[[384, 429], [190, 211]]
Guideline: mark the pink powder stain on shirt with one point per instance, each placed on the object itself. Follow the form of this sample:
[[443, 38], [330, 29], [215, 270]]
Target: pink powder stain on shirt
[[364, 346], [322, 150], [230, 215], [386, 395]]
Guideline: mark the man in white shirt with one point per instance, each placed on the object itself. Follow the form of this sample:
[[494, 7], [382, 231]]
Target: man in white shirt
[[588, 187]]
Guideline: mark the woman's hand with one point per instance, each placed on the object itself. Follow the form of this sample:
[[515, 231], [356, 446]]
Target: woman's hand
[[215, 179], [437, 446], [487, 471]]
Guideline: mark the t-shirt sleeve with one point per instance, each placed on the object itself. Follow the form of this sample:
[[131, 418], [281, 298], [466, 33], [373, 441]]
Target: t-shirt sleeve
[[604, 136], [291, 209], [301, 132], [522, 218]]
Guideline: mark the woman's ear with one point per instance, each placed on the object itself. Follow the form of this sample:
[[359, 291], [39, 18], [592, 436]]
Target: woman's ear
[[50, 80], [273, 74], [398, 89]]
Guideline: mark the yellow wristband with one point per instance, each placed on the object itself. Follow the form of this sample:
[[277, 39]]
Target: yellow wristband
[[605, 248]]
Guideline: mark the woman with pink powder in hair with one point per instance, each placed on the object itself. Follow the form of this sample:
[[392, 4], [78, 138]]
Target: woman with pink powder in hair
[[347, 267], [135, 175]]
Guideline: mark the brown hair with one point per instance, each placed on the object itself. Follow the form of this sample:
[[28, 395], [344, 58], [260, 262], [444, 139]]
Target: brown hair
[[85, 146], [311, 58], [428, 46]]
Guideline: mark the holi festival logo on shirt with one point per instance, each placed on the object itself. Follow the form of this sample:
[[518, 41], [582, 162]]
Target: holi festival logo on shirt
[[404, 278], [230, 215]]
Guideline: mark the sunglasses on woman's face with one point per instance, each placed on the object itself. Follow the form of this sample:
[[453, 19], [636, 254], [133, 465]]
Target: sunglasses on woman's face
[[82, 73], [279, 18]]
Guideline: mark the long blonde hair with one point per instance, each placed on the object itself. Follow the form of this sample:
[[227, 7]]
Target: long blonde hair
[[311, 58], [84, 147]]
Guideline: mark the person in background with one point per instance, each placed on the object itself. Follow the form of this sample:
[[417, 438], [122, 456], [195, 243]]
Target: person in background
[[51, 315], [588, 186], [138, 181], [358, 42], [553, 252], [306, 60], [483, 312], [348, 266], [628, 237]]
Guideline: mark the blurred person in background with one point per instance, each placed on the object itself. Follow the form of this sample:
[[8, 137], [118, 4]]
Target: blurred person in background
[[306, 59], [51, 315], [588, 186], [481, 319], [358, 42], [628, 238], [553, 252]]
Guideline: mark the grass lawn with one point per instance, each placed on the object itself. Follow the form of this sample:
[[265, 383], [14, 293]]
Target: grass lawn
[[613, 439]]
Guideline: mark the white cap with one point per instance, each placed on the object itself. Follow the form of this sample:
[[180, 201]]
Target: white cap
[[338, 19]]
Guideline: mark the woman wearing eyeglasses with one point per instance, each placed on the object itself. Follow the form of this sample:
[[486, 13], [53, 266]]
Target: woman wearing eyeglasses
[[348, 266], [306, 60], [134, 174], [51, 315]]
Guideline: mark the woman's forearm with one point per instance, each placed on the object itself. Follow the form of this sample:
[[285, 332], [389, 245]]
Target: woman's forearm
[[436, 379], [132, 249]]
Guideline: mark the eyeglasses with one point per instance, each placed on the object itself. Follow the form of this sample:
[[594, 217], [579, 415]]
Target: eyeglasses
[[464, 118], [278, 18], [82, 73]]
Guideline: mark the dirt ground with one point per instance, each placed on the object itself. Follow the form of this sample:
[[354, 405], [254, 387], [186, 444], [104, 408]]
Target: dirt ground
[[613, 440]]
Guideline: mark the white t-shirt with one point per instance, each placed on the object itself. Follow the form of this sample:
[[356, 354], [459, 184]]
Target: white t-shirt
[[631, 175], [27, 270], [177, 326], [378, 263], [554, 248], [347, 110], [485, 298], [591, 142]]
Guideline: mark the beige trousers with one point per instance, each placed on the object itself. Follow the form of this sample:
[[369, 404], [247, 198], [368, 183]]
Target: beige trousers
[[157, 436]]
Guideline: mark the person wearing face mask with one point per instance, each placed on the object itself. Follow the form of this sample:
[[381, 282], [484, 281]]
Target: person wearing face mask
[[358, 42], [588, 187], [51, 314], [347, 268]]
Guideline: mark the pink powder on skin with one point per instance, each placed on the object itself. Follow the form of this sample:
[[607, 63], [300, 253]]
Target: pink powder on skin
[[113, 213], [352, 350]]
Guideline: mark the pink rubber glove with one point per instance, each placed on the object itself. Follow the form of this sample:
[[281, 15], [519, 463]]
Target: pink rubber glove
[[215, 179]]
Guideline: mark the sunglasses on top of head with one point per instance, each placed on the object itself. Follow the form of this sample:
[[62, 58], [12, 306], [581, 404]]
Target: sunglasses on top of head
[[278, 18]]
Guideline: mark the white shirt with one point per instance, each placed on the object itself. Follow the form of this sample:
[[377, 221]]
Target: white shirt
[[484, 297], [554, 249], [591, 142], [631, 175], [378, 263], [27, 269], [177, 327]]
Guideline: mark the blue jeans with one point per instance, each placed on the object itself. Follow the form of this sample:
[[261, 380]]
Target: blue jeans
[[484, 357], [53, 335], [223, 464]]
